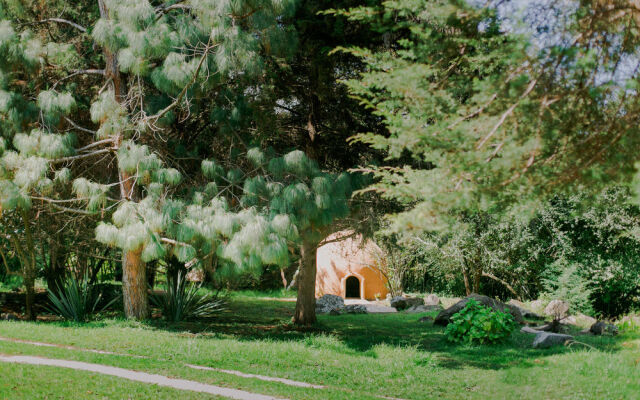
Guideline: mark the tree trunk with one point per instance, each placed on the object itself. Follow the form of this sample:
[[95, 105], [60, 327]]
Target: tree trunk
[[134, 285], [305, 313], [134, 282], [465, 277], [56, 271], [29, 265]]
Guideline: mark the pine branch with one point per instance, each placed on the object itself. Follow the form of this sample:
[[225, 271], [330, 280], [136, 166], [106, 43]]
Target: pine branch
[[61, 21], [178, 99], [78, 127], [73, 210], [94, 144], [81, 156]]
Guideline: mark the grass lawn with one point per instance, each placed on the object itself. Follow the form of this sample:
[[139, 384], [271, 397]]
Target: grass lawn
[[355, 356]]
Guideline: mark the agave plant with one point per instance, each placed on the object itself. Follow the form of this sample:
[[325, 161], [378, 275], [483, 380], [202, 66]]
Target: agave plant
[[76, 300], [181, 301]]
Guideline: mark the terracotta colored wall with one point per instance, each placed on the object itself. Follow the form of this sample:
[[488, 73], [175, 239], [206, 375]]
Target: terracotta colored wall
[[339, 260]]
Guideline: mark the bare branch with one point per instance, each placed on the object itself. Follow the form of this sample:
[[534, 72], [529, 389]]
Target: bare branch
[[78, 127], [81, 156], [63, 21], [507, 113]]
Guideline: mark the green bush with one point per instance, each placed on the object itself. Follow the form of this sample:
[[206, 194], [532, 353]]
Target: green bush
[[76, 300], [476, 323], [182, 301]]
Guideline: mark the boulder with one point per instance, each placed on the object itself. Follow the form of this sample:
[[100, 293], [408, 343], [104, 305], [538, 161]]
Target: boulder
[[423, 309], [8, 317], [537, 306], [432, 300], [578, 320], [557, 309], [521, 307], [426, 319], [586, 320], [329, 302], [544, 340], [398, 302], [603, 328], [528, 329], [355, 309], [414, 301], [401, 302], [444, 317]]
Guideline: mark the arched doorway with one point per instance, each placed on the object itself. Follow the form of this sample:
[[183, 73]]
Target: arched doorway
[[352, 287]]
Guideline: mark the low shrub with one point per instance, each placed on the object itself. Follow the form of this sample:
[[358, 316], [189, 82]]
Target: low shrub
[[181, 301], [76, 300], [476, 323]]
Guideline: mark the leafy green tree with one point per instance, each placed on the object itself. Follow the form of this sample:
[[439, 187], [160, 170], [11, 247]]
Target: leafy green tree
[[480, 118]]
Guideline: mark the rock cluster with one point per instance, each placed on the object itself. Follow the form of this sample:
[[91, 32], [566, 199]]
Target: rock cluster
[[444, 317]]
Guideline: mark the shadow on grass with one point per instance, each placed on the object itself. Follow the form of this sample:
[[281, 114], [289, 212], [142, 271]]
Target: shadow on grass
[[251, 319], [254, 319]]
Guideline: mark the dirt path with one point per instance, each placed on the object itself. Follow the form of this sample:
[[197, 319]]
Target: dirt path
[[181, 384]]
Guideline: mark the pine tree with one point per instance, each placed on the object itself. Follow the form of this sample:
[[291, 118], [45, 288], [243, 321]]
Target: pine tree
[[143, 69]]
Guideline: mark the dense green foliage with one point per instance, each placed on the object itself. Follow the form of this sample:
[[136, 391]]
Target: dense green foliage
[[476, 323], [582, 249], [480, 119]]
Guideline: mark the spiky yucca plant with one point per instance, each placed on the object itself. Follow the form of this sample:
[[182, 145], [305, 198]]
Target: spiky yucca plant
[[76, 300], [181, 301]]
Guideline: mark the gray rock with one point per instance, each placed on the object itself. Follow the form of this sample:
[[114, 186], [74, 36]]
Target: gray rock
[[8, 317], [398, 302], [544, 340], [603, 328], [537, 306], [426, 319], [444, 317], [528, 329], [414, 301], [329, 302], [586, 320], [569, 320], [423, 309], [355, 309], [521, 307], [432, 300], [557, 309], [401, 302]]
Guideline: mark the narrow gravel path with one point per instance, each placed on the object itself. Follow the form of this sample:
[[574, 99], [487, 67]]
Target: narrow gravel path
[[160, 380]]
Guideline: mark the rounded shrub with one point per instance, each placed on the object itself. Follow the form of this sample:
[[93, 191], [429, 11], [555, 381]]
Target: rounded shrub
[[476, 323]]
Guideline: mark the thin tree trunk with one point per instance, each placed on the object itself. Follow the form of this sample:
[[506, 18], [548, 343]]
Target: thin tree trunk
[[29, 265], [465, 277], [305, 313], [134, 286], [134, 282], [56, 270], [476, 280]]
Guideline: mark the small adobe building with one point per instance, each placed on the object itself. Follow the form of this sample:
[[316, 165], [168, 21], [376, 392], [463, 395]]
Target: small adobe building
[[350, 268]]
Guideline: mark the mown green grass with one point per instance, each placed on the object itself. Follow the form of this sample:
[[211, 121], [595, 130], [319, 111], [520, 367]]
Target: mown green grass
[[357, 356]]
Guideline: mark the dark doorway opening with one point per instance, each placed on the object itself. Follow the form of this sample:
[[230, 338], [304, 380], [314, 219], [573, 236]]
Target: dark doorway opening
[[352, 288]]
